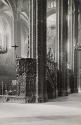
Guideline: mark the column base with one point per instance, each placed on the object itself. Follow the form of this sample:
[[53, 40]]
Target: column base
[[60, 94], [63, 93], [41, 100], [76, 90]]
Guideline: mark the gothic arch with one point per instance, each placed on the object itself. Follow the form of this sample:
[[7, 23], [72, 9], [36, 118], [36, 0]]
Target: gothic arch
[[7, 60]]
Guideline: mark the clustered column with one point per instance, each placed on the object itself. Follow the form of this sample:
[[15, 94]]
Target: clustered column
[[32, 27], [62, 27], [75, 51], [38, 43]]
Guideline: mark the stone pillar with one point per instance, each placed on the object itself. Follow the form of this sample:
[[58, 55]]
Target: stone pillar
[[62, 6], [79, 52], [75, 51], [38, 44], [57, 28], [32, 36], [41, 49], [70, 47], [30, 27]]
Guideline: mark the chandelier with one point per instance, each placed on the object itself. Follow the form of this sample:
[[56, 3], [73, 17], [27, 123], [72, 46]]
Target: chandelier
[[3, 44]]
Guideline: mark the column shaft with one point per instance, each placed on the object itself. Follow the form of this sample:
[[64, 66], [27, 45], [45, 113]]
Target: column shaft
[[62, 39], [32, 38], [38, 44], [75, 51], [41, 48]]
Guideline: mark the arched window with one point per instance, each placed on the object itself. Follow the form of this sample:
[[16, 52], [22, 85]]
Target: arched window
[[51, 29]]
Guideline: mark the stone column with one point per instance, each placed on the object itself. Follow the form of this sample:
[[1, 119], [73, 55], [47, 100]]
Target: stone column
[[32, 34], [62, 6], [41, 49], [70, 47], [79, 53], [30, 27], [38, 44], [75, 51]]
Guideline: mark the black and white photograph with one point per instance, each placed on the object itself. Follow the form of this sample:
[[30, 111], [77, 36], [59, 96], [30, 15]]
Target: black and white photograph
[[40, 62]]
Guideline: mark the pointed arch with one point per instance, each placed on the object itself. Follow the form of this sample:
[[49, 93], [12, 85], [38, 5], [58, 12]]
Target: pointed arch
[[7, 60]]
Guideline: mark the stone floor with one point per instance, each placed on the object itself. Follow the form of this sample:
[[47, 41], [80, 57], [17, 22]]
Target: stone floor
[[60, 111]]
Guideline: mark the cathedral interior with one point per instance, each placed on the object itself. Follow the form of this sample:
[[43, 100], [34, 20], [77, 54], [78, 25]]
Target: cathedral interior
[[40, 49]]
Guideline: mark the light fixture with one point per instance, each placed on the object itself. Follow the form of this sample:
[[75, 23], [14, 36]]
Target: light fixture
[[3, 44]]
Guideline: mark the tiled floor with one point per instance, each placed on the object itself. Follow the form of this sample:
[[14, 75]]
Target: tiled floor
[[61, 111]]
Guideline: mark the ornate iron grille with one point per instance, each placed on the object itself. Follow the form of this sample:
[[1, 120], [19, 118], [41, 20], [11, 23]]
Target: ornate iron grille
[[23, 89], [51, 77]]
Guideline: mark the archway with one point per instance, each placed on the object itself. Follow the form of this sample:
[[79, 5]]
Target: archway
[[14, 32], [7, 60]]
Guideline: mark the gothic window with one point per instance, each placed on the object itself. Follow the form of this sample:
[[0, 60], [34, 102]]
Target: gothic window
[[51, 29]]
